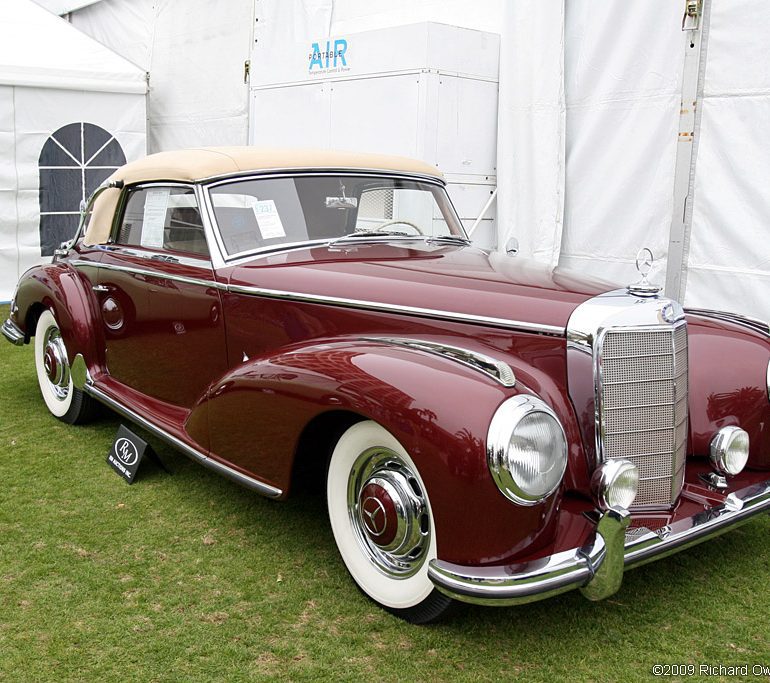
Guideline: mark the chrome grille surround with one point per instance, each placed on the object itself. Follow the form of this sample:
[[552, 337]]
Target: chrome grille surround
[[627, 376], [642, 404]]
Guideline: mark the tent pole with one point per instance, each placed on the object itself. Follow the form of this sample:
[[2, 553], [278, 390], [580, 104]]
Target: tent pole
[[696, 24]]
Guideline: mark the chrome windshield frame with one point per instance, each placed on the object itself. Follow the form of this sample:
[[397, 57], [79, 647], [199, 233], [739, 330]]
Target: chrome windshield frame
[[227, 259]]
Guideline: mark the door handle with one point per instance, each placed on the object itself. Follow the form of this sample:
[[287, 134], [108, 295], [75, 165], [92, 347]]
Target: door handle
[[102, 289], [164, 258]]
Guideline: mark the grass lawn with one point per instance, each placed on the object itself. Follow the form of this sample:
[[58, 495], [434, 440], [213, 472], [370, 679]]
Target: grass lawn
[[191, 578]]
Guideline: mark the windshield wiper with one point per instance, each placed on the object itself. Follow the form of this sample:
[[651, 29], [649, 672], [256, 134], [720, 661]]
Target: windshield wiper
[[449, 239], [363, 234]]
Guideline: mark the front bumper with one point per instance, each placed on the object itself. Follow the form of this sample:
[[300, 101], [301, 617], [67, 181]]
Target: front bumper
[[596, 568], [12, 333]]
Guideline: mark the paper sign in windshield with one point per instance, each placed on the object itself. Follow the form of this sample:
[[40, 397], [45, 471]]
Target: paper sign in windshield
[[268, 220], [155, 207]]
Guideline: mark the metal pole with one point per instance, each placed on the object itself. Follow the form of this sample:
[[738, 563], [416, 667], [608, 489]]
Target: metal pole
[[483, 213]]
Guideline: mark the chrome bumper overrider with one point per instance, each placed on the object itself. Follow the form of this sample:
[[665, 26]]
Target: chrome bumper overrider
[[12, 333], [596, 568]]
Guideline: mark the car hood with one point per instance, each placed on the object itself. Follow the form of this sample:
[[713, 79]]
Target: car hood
[[424, 275]]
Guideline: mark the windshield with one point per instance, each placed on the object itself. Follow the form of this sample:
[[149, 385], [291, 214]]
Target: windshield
[[253, 214]]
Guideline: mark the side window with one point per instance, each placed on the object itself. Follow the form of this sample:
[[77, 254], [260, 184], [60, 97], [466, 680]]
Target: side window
[[164, 218]]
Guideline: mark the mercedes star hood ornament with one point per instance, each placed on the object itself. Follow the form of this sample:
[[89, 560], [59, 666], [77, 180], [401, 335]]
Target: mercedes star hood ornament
[[644, 263]]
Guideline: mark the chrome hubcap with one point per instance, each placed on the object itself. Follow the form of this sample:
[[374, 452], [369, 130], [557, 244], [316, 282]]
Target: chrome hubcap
[[388, 512], [55, 363]]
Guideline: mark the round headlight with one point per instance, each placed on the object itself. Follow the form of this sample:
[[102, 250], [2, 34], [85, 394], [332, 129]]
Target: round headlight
[[615, 483], [526, 450], [730, 450]]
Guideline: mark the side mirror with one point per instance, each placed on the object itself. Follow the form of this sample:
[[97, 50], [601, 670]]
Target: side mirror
[[63, 250]]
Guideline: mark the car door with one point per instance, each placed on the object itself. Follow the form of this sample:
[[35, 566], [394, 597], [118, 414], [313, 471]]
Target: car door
[[160, 306]]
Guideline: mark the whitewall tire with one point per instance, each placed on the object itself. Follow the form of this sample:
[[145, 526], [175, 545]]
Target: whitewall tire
[[53, 374], [382, 522]]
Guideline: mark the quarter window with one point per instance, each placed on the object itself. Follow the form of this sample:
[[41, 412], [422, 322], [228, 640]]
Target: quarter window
[[164, 218]]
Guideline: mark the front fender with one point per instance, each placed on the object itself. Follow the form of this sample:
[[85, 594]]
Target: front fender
[[439, 411], [728, 385], [67, 293]]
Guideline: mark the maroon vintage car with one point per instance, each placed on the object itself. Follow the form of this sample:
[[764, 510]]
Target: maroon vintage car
[[489, 431]]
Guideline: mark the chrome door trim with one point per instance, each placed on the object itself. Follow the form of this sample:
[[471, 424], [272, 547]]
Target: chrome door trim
[[150, 273]]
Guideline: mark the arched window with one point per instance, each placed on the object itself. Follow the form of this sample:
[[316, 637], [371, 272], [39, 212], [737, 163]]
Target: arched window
[[74, 161]]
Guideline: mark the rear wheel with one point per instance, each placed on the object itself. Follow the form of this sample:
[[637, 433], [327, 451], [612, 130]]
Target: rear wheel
[[63, 400], [382, 523]]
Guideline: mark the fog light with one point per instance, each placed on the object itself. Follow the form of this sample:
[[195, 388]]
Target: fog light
[[730, 450], [615, 484]]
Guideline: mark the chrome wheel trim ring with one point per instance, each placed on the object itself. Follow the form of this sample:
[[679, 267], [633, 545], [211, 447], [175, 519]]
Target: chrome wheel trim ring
[[56, 365], [404, 554]]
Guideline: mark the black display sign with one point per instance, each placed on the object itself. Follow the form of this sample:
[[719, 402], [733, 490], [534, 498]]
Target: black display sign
[[127, 453]]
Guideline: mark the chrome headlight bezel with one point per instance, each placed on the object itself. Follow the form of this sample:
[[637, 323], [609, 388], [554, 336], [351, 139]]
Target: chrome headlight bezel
[[607, 476], [719, 450], [504, 423]]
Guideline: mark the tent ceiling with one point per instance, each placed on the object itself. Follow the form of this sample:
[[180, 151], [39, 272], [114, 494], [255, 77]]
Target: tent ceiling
[[62, 7], [38, 49]]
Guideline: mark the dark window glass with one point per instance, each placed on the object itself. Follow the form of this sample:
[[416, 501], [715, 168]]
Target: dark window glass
[[74, 161]]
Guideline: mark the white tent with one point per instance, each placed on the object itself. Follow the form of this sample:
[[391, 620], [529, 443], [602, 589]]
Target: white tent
[[602, 148], [643, 127], [70, 112]]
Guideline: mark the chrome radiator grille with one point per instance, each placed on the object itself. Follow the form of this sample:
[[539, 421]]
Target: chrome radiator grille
[[642, 402]]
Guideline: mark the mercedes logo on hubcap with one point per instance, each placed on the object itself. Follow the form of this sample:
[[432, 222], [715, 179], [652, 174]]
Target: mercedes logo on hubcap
[[375, 518]]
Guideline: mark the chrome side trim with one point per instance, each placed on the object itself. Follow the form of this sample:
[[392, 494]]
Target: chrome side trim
[[585, 567], [149, 273], [536, 328], [12, 333], [192, 453], [491, 367], [746, 321]]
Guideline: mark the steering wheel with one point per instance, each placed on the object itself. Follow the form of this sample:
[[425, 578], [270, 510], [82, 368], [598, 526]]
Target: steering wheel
[[396, 221]]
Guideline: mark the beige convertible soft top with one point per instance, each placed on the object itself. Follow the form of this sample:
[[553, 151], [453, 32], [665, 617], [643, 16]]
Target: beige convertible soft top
[[187, 165]]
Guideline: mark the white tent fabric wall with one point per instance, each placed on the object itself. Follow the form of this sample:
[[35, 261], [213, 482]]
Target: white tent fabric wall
[[623, 80], [729, 262], [195, 53], [51, 78], [353, 16], [531, 128]]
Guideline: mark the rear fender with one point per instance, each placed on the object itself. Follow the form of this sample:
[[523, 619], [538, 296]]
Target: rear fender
[[66, 292]]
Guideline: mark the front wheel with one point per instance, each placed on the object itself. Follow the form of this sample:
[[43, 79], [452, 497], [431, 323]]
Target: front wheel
[[63, 400], [382, 523]]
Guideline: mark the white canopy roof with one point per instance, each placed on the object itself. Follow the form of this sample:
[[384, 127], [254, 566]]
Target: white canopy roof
[[38, 49]]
